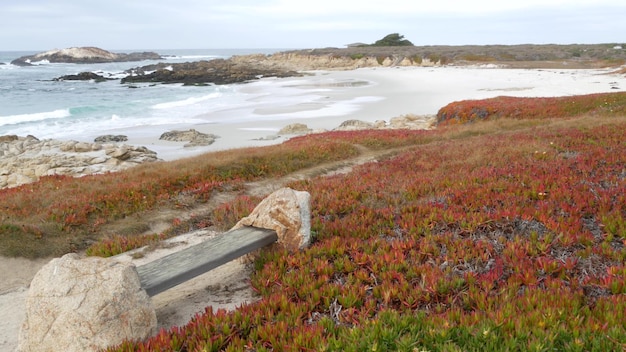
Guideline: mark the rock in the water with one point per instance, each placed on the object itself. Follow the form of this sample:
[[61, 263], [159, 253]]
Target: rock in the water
[[83, 55], [85, 304], [195, 138], [286, 211], [295, 128], [83, 76], [217, 71]]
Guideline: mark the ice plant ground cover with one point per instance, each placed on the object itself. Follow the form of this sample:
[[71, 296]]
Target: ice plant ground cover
[[497, 235], [605, 104], [60, 214]]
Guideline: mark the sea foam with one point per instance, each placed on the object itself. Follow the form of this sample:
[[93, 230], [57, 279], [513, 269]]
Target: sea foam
[[39, 116], [186, 102]]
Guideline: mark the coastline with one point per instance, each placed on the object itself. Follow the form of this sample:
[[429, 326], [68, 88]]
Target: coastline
[[323, 101]]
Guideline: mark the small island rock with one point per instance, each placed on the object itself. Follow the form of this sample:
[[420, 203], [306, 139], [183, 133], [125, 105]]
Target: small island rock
[[83, 55]]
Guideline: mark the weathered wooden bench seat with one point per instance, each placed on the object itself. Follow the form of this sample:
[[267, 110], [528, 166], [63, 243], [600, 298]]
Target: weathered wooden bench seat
[[176, 268]]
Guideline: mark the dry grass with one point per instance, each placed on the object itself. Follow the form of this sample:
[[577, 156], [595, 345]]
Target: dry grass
[[514, 56]]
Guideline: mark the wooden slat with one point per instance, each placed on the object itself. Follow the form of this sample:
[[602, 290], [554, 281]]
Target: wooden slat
[[176, 268]]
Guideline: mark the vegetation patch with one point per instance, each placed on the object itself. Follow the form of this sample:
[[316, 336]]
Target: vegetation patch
[[508, 234], [61, 214], [509, 240], [605, 104]]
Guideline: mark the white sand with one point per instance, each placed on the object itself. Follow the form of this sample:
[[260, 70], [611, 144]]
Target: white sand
[[327, 98], [321, 101]]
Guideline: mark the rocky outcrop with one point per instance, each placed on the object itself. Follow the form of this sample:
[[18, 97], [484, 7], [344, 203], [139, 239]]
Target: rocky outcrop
[[404, 122], [412, 122], [8, 138], [87, 304], [286, 211], [110, 138], [307, 61], [84, 55], [195, 138], [83, 76], [295, 128], [26, 159], [244, 68], [354, 125], [218, 71]]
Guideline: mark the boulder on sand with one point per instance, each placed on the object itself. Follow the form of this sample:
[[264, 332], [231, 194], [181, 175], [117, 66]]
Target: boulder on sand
[[195, 138], [295, 128], [86, 304]]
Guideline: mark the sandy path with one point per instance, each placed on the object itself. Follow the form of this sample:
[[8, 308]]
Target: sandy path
[[15, 276]]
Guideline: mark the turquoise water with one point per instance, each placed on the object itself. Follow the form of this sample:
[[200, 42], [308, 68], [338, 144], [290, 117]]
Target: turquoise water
[[31, 102]]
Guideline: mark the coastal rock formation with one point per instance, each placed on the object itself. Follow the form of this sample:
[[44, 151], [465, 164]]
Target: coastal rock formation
[[83, 76], [8, 138], [26, 159], [404, 122], [295, 128], [244, 68], [218, 71], [88, 304], [110, 138], [286, 211], [195, 138], [312, 60], [412, 122], [576, 55], [83, 55]]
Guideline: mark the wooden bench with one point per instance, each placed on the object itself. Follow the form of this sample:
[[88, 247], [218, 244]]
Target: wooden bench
[[176, 268]]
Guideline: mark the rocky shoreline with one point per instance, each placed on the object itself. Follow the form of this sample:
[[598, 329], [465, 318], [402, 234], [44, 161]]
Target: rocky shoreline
[[24, 160]]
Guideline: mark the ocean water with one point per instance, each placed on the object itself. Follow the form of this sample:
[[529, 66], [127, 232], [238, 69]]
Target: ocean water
[[31, 102]]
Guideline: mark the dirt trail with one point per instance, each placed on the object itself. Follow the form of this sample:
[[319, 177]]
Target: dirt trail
[[160, 220]]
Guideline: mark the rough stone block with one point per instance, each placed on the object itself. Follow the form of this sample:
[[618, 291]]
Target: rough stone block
[[287, 212], [76, 304]]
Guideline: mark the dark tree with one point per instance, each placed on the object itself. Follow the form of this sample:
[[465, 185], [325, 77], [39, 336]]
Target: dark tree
[[393, 39]]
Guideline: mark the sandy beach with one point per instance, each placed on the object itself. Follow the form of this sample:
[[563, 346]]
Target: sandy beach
[[322, 101]]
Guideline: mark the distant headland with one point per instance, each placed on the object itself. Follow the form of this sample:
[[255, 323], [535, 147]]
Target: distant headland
[[84, 55]]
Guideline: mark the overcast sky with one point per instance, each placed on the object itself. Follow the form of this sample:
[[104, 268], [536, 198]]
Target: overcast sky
[[187, 24]]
